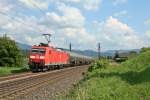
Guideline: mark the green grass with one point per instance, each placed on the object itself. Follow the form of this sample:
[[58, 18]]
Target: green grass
[[127, 81], [4, 71]]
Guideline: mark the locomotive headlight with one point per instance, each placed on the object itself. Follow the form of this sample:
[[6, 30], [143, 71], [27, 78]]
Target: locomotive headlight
[[42, 57], [32, 56]]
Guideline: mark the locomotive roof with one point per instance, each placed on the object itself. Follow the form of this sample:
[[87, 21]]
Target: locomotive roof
[[42, 47], [35, 46]]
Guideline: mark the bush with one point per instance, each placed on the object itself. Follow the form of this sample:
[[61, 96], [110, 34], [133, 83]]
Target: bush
[[145, 49], [138, 62], [100, 64], [10, 54]]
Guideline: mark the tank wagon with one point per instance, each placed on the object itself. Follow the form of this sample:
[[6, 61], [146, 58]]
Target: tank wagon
[[42, 58]]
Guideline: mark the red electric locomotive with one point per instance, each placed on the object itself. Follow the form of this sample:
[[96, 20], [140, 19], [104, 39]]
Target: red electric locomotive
[[43, 58]]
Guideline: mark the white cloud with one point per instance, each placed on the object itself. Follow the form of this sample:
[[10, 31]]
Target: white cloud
[[74, 1], [5, 7], [146, 38], [147, 33], [44, 4], [69, 17], [86, 4], [117, 35], [147, 22], [122, 13], [36, 3], [91, 4], [116, 2]]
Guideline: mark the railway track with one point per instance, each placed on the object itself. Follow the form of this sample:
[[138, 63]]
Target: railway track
[[14, 76], [9, 89]]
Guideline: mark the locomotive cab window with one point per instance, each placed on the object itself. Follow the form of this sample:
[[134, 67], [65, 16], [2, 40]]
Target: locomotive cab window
[[38, 50], [34, 51], [42, 51]]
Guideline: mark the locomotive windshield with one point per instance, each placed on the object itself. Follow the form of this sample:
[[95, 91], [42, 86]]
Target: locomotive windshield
[[38, 50]]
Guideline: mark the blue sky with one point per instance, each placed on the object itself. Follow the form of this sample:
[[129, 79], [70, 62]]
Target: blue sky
[[116, 24]]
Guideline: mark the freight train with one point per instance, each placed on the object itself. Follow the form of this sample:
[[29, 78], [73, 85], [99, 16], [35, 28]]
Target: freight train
[[42, 58]]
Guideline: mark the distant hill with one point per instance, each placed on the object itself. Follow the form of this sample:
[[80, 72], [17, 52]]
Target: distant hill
[[111, 53], [24, 46], [90, 53], [93, 53]]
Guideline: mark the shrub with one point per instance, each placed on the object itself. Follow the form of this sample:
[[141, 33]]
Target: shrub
[[138, 62], [144, 49], [99, 64]]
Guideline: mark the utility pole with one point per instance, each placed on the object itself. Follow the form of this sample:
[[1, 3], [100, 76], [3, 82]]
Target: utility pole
[[70, 47], [99, 48]]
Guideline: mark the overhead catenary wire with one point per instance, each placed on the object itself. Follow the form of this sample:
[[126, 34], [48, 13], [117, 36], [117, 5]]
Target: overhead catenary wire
[[30, 26], [19, 21], [36, 6]]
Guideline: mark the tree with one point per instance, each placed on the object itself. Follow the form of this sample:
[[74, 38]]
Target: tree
[[132, 53], [10, 54]]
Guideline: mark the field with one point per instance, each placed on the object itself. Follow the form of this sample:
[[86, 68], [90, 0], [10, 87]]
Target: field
[[4, 71], [104, 81]]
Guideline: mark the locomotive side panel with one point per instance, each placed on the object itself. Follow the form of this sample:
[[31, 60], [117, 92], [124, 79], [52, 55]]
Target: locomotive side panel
[[53, 60], [47, 56], [57, 58], [66, 58]]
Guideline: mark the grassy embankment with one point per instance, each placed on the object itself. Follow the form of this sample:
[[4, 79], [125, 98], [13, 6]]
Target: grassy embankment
[[127, 81], [4, 71]]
